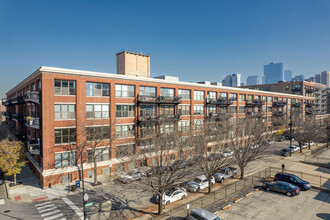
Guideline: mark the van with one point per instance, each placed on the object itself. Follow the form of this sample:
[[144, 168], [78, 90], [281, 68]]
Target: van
[[202, 214]]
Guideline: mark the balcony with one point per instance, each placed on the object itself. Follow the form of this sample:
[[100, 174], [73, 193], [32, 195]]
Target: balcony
[[148, 119], [296, 105], [277, 123], [296, 89], [220, 101], [17, 100], [279, 104], [33, 148], [32, 96], [279, 113], [158, 100], [4, 102], [310, 104], [7, 114], [32, 122], [309, 112], [18, 117], [254, 103], [218, 115], [309, 90], [255, 114]]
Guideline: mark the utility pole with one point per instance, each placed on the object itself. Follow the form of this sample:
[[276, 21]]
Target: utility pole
[[83, 186], [290, 124]]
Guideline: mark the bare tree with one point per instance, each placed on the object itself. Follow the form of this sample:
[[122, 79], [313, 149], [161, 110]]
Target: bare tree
[[167, 162], [248, 141], [208, 145], [304, 129]]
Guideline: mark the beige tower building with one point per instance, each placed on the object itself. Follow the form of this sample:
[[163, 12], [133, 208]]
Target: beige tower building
[[133, 64]]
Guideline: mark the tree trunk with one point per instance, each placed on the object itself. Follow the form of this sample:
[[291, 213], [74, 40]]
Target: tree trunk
[[242, 172], [300, 148], [210, 186], [160, 204], [95, 172], [15, 179]]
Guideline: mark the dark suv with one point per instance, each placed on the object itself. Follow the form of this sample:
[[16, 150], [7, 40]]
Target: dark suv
[[293, 179]]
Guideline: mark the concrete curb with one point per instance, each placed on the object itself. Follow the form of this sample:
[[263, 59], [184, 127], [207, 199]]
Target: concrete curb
[[321, 189], [226, 207], [249, 194], [238, 200], [7, 191]]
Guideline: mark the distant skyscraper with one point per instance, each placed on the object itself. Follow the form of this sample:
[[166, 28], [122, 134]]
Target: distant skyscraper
[[318, 78], [263, 80], [287, 75], [233, 80], [243, 84], [325, 78], [298, 78], [311, 79], [273, 72], [252, 80]]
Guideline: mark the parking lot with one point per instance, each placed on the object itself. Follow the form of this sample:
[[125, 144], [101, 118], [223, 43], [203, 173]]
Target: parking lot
[[310, 204]]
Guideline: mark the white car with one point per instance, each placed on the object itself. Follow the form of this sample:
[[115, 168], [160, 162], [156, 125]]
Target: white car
[[227, 153], [131, 176], [294, 148], [269, 141], [254, 146], [304, 145], [311, 143], [200, 182], [173, 195]]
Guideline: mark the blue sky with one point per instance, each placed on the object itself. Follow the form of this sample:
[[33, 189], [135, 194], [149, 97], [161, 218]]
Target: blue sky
[[195, 40]]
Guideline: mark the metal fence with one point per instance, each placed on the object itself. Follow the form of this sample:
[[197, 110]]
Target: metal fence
[[227, 192], [317, 160], [317, 150], [230, 191]]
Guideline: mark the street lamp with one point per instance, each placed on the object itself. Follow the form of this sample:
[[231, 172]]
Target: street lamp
[[290, 124]]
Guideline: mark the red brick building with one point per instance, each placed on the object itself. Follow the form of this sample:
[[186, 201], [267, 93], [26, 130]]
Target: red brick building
[[47, 106]]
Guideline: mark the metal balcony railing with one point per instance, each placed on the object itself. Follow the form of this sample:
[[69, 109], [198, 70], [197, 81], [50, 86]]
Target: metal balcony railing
[[220, 101], [158, 100], [310, 104], [255, 114], [218, 115], [296, 105], [18, 117], [158, 118], [32, 96], [279, 103], [32, 122], [279, 113], [33, 148], [254, 102]]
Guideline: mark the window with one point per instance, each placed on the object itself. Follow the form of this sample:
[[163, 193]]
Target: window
[[97, 110], [242, 98], [198, 110], [233, 96], [270, 99], [198, 124], [264, 108], [123, 111], [166, 127], [241, 109], [147, 130], [65, 159], [65, 135], [223, 95], [98, 133], [167, 93], [97, 89], [148, 110], [198, 95], [257, 97], [270, 108], [264, 98], [147, 146], [212, 96], [64, 87], [125, 150], [289, 101], [232, 121], [184, 125], [211, 109], [124, 91], [149, 92], [125, 131], [275, 99], [167, 110], [223, 109], [256, 109], [250, 97], [33, 87], [65, 111], [233, 109], [184, 109], [184, 94], [280, 99], [101, 154]]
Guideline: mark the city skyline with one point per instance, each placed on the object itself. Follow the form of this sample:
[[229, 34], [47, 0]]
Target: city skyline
[[86, 36]]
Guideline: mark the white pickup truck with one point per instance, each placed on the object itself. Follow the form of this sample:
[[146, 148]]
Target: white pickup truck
[[225, 173]]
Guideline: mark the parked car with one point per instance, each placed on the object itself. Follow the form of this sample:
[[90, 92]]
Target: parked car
[[173, 195], [270, 141], [194, 160], [294, 148], [311, 143], [285, 152], [293, 179], [254, 146], [304, 145], [225, 173], [179, 164], [214, 157], [282, 187], [131, 176], [282, 138], [201, 214], [200, 182], [227, 153]]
